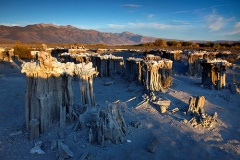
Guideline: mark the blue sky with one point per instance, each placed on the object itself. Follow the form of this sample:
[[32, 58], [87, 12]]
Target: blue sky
[[177, 19]]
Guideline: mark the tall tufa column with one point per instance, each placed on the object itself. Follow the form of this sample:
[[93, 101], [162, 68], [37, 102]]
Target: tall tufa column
[[50, 95], [86, 73]]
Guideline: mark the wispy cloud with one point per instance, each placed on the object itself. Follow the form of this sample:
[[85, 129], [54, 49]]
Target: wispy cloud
[[236, 29], [149, 16], [131, 5], [117, 26], [13, 24], [22, 24], [161, 26], [138, 25], [179, 22], [216, 22], [237, 25], [199, 9], [186, 11]]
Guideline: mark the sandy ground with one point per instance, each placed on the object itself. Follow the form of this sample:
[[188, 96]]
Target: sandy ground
[[177, 139]]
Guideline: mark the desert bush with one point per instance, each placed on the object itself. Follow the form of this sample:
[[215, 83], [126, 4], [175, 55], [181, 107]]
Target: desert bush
[[187, 44], [174, 43], [236, 44], [22, 51], [216, 45], [209, 44], [4, 55], [160, 42], [236, 80], [167, 82], [225, 44], [231, 59], [149, 44]]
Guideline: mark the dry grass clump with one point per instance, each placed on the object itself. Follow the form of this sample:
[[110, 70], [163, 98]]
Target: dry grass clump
[[22, 51], [236, 80], [167, 82]]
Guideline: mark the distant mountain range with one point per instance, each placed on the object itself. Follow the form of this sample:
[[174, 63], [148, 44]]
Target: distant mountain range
[[49, 33]]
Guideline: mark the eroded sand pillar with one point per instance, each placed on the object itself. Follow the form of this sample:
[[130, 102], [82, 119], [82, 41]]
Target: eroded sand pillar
[[49, 94]]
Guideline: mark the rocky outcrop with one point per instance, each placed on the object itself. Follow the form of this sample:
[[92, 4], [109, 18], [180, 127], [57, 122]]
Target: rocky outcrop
[[214, 72], [107, 65], [155, 75], [199, 117], [49, 94], [105, 125], [86, 72]]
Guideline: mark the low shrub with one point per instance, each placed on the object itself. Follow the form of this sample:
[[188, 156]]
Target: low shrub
[[22, 51]]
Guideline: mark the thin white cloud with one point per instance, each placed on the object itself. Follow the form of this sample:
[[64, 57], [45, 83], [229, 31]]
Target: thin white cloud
[[138, 25], [199, 9], [161, 26], [236, 29], [150, 16], [116, 26], [23, 24], [237, 25], [131, 5], [179, 22], [12, 24], [215, 22], [186, 11], [221, 5]]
